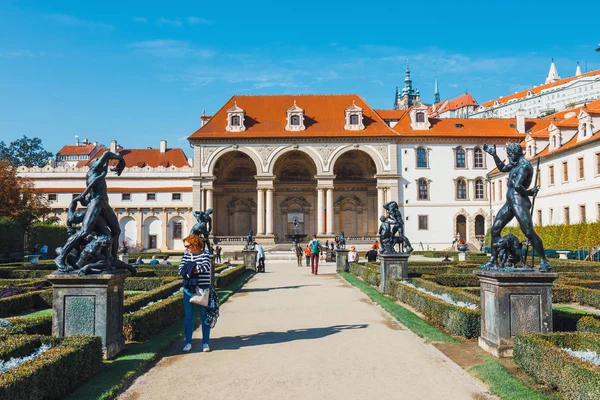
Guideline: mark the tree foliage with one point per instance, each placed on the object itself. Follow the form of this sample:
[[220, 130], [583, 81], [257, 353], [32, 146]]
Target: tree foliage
[[18, 199], [25, 151]]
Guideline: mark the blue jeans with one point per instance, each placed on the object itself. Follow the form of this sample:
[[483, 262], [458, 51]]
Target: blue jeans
[[188, 321]]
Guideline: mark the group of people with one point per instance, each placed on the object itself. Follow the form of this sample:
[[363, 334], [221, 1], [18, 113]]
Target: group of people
[[154, 261]]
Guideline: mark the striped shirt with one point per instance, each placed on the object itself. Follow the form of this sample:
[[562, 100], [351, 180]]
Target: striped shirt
[[186, 269]]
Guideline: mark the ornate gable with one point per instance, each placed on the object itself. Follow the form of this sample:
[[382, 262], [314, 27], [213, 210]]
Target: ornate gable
[[235, 119], [295, 119], [419, 118], [354, 118]]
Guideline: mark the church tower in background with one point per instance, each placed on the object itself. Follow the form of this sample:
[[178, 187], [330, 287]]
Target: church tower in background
[[408, 97]]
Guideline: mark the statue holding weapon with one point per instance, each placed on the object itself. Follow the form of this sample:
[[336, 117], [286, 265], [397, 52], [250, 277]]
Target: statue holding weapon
[[537, 171]]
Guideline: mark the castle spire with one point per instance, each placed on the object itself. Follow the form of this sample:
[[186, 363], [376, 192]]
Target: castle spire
[[396, 99], [436, 92], [578, 70], [552, 74]]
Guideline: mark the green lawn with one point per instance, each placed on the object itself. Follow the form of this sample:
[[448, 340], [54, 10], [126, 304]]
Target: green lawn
[[42, 313], [139, 355]]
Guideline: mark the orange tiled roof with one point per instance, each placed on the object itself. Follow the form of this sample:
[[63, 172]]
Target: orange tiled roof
[[152, 157], [471, 127], [391, 114], [536, 90], [455, 103], [83, 150], [265, 117], [571, 143]]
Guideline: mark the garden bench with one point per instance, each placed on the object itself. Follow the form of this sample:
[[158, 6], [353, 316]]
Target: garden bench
[[563, 254]]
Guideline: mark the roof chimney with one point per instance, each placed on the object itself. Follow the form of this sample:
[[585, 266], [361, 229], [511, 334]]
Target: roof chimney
[[76, 140], [113, 146], [163, 146], [85, 141], [521, 120]]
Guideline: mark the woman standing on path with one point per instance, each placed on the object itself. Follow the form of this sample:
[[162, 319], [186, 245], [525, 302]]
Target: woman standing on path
[[195, 269]]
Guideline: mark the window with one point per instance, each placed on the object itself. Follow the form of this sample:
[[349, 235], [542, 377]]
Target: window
[[582, 217], [125, 196], [235, 120], [597, 163], [551, 174], [500, 189], [150, 196], [177, 230], [423, 222], [478, 158], [551, 217], [539, 217], [567, 215], [539, 181], [479, 190], [565, 166], [421, 158], [295, 120], [553, 142], [420, 117], [353, 119], [176, 196], [51, 196], [72, 158], [84, 157], [423, 189], [460, 158], [461, 189], [580, 168], [494, 191]]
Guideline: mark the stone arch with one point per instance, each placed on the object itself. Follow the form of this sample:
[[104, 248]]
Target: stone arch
[[242, 215], [370, 151], [214, 157], [459, 223], [295, 205], [177, 233], [128, 231], [349, 210], [278, 153], [152, 228]]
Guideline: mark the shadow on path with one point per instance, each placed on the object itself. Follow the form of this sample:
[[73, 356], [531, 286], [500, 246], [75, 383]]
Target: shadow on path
[[273, 288], [236, 342]]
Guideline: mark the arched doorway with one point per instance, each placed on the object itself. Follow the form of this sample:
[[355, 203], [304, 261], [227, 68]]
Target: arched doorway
[[128, 232], [479, 226], [355, 194], [152, 233], [177, 229], [461, 226], [295, 194], [234, 195]]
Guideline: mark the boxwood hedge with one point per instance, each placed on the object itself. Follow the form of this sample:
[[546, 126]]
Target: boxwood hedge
[[17, 304], [542, 357], [143, 324], [589, 324], [134, 303], [37, 325]]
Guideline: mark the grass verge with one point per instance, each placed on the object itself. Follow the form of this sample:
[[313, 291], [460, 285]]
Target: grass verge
[[42, 313], [404, 316], [504, 385], [572, 310], [137, 356]]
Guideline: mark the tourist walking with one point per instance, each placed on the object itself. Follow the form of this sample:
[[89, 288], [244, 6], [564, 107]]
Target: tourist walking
[[195, 269], [376, 245], [218, 251], [299, 253], [352, 257], [315, 249], [372, 254], [260, 257], [307, 254]]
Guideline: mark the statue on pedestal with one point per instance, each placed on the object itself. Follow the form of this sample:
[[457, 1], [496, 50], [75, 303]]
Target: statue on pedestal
[[386, 238], [249, 240], [93, 247], [203, 227], [296, 226], [394, 218], [519, 206], [342, 241]]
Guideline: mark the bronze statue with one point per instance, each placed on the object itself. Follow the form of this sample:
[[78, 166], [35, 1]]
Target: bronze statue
[[203, 227], [517, 204], [249, 239], [342, 241], [397, 222], [296, 226], [99, 218], [386, 238]]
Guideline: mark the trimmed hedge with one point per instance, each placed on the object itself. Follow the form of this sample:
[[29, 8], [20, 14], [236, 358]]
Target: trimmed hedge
[[568, 321], [136, 302], [143, 324], [17, 304], [456, 294], [24, 273], [456, 280], [149, 283], [369, 275], [589, 324], [55, 373], [21, 325], [540, 355], [226, 278], [458, 321], [11, 236], [52, 235]]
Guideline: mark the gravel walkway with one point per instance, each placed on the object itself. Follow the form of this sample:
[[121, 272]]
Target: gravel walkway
[[291, 335]]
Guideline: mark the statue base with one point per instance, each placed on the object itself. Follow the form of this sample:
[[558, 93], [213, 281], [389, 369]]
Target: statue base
[[513, 303], [90, 305], [341, 260], [392, 266], [250, 259], [462, 256], [124, 258]]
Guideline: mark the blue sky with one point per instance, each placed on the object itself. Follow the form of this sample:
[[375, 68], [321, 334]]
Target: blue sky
[[140, 72]]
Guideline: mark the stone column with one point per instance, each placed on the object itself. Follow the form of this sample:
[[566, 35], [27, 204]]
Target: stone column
[[209, 199], [260, 212], [330, 211], [269, 212], [165, 231], [513, 303], [380, 200], [320, 206], [140, 227]]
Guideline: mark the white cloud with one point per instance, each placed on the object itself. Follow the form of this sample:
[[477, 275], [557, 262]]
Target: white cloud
[[172, 22], [21, 53], [70, 20], [142, 20], [198, 20], [169, 48]]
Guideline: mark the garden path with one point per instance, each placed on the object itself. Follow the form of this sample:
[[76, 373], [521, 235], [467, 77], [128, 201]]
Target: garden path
[[291, 335]]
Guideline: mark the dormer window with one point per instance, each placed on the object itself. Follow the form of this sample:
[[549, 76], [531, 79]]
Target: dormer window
[[235, 119], [295, 119], [585, 125], [354, 118], [419, 117]]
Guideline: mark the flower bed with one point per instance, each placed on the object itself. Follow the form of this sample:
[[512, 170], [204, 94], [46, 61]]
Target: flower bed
[[25, 273], [50, 375], [147, 322], [134, 303], [450, 295], [20, 325], [542, 356], [457, 280], [226, 278], [589, 324], [17, 304]]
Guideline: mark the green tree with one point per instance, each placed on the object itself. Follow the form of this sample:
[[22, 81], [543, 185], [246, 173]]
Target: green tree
[[25, 151]]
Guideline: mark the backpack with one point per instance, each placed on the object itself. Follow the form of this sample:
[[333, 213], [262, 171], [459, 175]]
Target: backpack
[[315, 247]]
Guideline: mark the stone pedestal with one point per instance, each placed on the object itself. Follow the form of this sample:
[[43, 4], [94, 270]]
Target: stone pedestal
[[90, 305], [330, 255], [513, 303], [250, 259], [124, 258], [341, 260], [392, 266], [462, 256]]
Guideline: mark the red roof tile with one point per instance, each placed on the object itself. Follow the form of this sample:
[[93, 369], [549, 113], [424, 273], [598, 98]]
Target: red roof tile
[[391, 114], [152, 157], [455, 103], [82, 150]]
